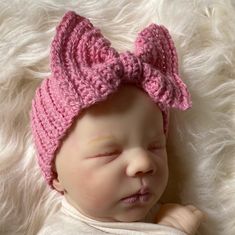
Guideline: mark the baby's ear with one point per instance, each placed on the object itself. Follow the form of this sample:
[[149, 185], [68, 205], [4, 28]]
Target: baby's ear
[[58, 185]]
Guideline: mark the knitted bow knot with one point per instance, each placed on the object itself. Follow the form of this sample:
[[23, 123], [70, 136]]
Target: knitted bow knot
[[81, 55], [85, 69]]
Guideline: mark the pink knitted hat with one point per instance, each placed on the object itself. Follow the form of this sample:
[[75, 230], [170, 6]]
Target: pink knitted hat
[[85, 70]]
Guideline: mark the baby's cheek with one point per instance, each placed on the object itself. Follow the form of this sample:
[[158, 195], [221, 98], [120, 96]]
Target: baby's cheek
[[98, 188]]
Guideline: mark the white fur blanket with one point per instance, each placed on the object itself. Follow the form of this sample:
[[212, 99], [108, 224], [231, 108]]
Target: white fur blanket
[[201, 142]]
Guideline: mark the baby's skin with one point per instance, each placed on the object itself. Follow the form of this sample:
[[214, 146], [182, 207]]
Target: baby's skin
[[185, 218], [130, 156]]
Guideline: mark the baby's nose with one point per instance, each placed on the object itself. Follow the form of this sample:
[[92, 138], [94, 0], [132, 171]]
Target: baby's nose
[[140, 163]]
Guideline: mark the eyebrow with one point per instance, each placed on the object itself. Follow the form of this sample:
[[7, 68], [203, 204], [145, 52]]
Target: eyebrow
[[111, 138], [101, 139]]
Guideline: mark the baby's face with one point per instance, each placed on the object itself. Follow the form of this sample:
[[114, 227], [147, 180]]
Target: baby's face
[[115, 149]]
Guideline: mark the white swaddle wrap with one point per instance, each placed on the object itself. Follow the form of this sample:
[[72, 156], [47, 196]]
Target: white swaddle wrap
[[70, 221]]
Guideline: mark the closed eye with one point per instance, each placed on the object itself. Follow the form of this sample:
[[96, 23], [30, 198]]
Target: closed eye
[[108, 154], [156, 148]]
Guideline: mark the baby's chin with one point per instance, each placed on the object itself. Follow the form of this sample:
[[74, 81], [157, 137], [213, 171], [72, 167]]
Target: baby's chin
[[131, 219], [132, 216], [127, 216]]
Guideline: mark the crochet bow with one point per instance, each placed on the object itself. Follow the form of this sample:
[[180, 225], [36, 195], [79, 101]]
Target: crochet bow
[[89, 69], [86, 69]]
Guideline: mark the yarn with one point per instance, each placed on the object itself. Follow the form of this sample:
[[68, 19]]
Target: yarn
[[85, 69]]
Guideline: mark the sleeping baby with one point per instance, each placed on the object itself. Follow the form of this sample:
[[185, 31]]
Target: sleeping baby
[[100, 124]]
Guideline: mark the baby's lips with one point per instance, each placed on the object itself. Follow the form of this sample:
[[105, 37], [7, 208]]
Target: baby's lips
[[142, 191]]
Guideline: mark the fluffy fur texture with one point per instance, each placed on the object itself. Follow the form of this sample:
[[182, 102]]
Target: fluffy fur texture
[[201, 142]]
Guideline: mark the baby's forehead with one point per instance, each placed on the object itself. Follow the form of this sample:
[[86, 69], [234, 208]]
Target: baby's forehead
[[127, 97], [129, 112]]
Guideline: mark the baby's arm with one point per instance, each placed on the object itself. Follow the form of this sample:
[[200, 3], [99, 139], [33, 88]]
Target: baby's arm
[[184, 218]]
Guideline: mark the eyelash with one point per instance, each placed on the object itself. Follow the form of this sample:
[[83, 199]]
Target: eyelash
[[108, 154], [116, 152], [156, 148]]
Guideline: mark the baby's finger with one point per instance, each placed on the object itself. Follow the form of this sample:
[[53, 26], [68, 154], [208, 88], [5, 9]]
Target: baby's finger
[[200, 214]]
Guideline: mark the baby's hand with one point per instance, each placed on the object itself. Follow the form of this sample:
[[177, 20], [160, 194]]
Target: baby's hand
[[184, 218]]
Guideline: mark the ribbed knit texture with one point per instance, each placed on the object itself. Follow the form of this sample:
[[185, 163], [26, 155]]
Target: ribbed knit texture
[[85, 69]]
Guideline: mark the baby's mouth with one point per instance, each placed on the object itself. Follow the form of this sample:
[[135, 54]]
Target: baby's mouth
[[142, 195]]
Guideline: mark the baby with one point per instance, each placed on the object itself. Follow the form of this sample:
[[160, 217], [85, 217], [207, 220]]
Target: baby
[[100, 124]]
